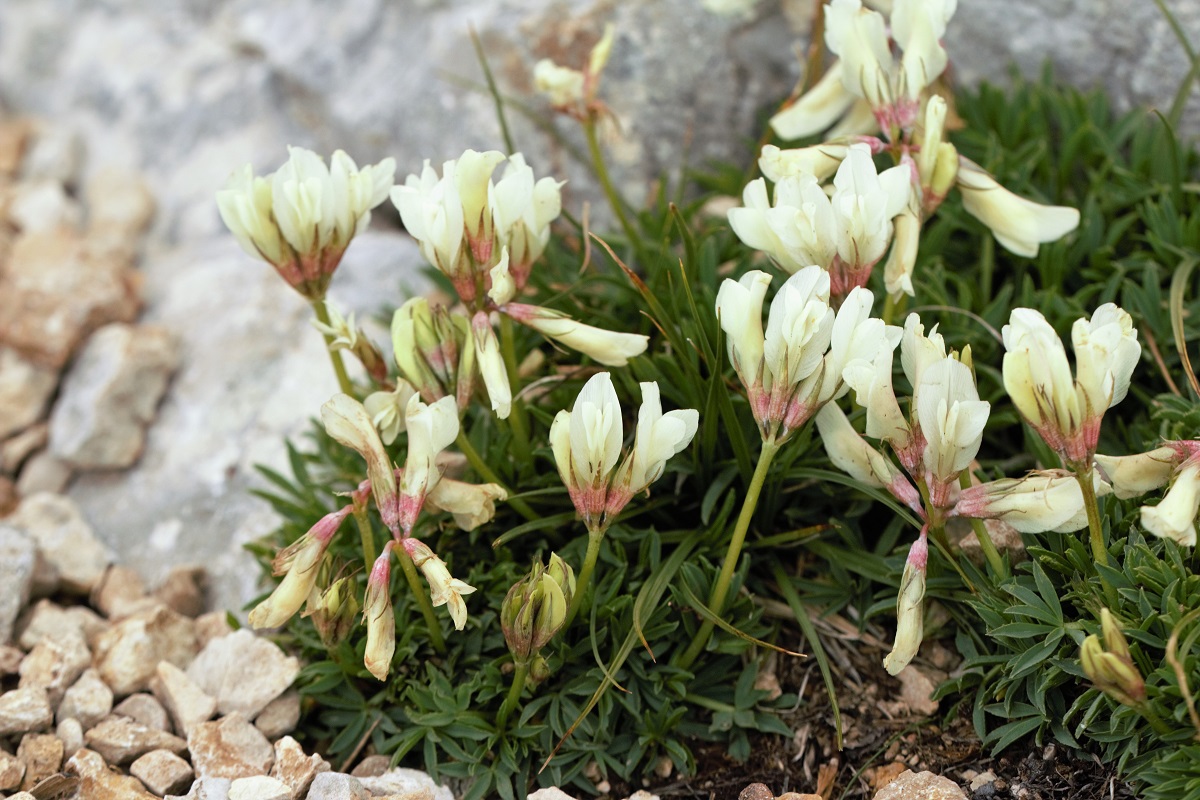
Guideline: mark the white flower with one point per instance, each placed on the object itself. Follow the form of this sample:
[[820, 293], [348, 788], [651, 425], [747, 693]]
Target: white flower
[[739, 310], [898, 270], [951, 417], [587, 439], [818, 108], [864, 202], [1019, 225], [609, 348], [431, 429], [473, 177], [910, 608], [387, 409], [873, 390], [1106, 351], [245, 207], [522, 211], [852, 454], [348, 423], [341, 331], [298, 564], [380, 619], [918, 351], [659, 436], [562, 85], [918, 27], [491, 364], [1135, 475], [854, 342], [357, 191], [798, 231], [937, 163], [444, 589], [1175, 515], [820, 161], [859, 37], [799, 328], [432, 213], [471, 504], [1046, 500]]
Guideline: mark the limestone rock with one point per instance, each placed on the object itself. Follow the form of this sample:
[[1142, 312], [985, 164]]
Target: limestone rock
[[42, 754], [63, 537], [280, 716], [52, 295], [259, 787], [206, 789], [372, 766], [14, 133], [294, 768], [162, 771], [409, 783], [25, 710], [70, 733], [120, 740], [184, 590], [118, 200], [337, 786], [44, 472], [89, 700], [120, 593], [25, 388], [143, 708], [110, 394], [48, 620], [127, 655], [17, 560], [229, 748], [43, 205], [18, 447], [55, 152], [243, 672], [212, 625], [55, 665], [10, 496], [97, 782], [920, 786], [12, 770], [10, 660], [186, 702]]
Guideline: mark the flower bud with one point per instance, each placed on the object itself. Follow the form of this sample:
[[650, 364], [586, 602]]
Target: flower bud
[[491, 364], [298, 563], [535, 608], [333, 611], [1110, 666], [378, 614], [1019, 225], [434, 350]]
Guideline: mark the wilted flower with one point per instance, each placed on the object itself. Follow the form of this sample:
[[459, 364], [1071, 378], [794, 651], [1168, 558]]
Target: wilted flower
[[435, 351], [347, 421], [573, 91], [444, 590], [910, 608], [1044, 500], [387, 409], [610, 348], [471, 504], [301, 218], [298, 563], [333, 611], [378, 614], [1019, 225], [1065, 411], [852, 454], [431, 429]]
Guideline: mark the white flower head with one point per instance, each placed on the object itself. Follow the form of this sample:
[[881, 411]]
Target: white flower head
[[432, 212], [587, 445], [797, 231], [1018, 224], [864, 203], [952, 418], [1175, 515], [658, 437], [1045, 500], [610, 348]]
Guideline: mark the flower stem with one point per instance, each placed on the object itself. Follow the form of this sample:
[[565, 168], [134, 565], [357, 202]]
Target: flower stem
[[364, 535], [1083, 476], [422, 597], [1156, 722], [335, 356], [716, 600], [517, 420], [486, 472], [595, 537], [614, 200], [514, 694]]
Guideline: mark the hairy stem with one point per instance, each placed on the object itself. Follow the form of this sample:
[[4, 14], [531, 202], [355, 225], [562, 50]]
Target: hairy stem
[[514, 694], [595, 537]]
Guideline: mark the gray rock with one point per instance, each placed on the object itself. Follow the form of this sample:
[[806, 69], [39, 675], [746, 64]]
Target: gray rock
[[144, 709], [162, 771], [43, 205], [10, 660], [110, 394], [128, 654], [18, 447], [70, 733], [89, 700], [406, 783], [259, 787], [243, 672], [280, 716], [25, 710], [55, 153], [294, 768], [186, 702], [206, 789], [229, 748], [17, 560], [25, 389], [337, 786], [48, 620], [55, 664], [372, 766], [64, 539], [120, 740], [184, 589], [44, 472]]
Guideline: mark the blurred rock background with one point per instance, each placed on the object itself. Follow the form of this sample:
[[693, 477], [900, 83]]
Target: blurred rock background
[[184, 91]]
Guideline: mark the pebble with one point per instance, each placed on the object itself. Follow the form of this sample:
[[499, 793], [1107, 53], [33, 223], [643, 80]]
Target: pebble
[[372, 766], [120, 593], [25, 710], [923, 785], [184, 590], [143, 708], [408, 783], [120, 740], [42, 754], [206, 789], [25, 389], [162, 771], [280, 716], [337, 786], [294, 768], [18, 558], [65, 540], [186, 702], [70, 733], [229, 748], [12, 770], [259, 787], [98, 782], [48, 620], [243, 672], [127, 655], [55, 664], [89, 700]]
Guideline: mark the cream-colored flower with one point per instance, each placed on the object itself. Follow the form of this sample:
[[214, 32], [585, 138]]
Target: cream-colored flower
[[937, 162], [852, 454], [798, 230], [1018, 224], [1175, 515], [444, 589], [471, 504], [347, 421], [1044, 500], [859, 37], [378, 614], [473, 178], [1135, 475], [819, 160], [864, 203], [523, 210], [341, 331], [739, 311], [918, 27], [431, 429], [609, 348], [387, 409], [855, 341], [587, 445], [434, 350], [951, 417], [658, 437], [562, 85], [491, 364], [298, 563], [910, 609], [245, 208], [817, 109]]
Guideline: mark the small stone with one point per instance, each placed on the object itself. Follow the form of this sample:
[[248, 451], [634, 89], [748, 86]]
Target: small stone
[[97, 782], [65, 540], [89, 700], [229, 748], [923, 785], [337, 786], [14, 134], [25, 389], [25, 710], [550, 793], [120, 740], [212, 625], [110, 395], [48, 620], [118, 202], [43, 472], [184, 589], [881, 776], [206, 789], [54, 153], [985, 778], [799, 796], [243, 672], [409, 783], [372, 766], [186, 702], [162, 771], [12, 770], [42, 754], [916, 691], [70, 733], [259, 787], [128, 654], [10, 660], [143, 708], [294, 768], [42, 205], [18, 447], [18, 557], [756, 791], [55, 665], [120, 593], [280, 716]]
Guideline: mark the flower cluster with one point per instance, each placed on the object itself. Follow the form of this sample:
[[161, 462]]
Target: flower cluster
[[571, 91], [1175, 463]]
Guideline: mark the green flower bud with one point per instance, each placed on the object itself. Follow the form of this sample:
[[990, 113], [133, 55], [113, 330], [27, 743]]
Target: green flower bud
[[535, 608], [334, 611], [1109, 665], [435, 351]]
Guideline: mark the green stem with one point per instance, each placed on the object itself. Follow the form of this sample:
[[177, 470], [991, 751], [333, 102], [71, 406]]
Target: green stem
[[595, 537], [1095, 531], [514, 694], [1156, 722], [716, 601], [985, 539], [614, 199], [365, 536], [486, 472], [516, 419], [422, 598], [335, 356], [494, 92]]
